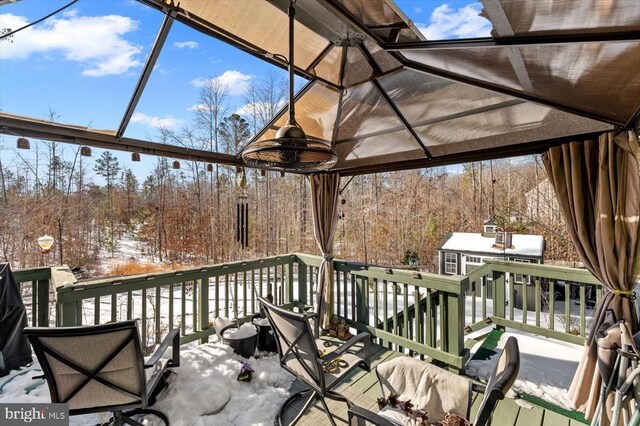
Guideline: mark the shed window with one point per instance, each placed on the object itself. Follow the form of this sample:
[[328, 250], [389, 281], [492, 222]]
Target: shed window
[[450, 263]]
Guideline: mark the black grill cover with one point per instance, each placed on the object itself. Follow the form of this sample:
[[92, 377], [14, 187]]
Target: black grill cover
[[14, 346]]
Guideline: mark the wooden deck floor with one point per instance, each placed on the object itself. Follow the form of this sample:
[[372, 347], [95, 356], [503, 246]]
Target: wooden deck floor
[[362, 389]]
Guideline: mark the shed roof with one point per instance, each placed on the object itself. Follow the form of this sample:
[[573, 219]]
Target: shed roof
[[388, 99], [522, 244]]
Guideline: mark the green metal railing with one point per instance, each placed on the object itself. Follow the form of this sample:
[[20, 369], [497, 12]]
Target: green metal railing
[[36, 281], [413, 312]]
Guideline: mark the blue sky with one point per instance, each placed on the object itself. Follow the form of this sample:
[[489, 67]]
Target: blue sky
[[85, 61]]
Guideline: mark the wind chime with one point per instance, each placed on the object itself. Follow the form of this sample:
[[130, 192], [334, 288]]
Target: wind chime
[[242, 211]]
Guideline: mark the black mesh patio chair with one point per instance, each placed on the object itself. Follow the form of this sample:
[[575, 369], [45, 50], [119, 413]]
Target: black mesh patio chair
[[500, 381], [101, 368], [301, 354]]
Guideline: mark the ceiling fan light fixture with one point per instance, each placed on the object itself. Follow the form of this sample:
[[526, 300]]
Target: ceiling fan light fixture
[[290, 149]]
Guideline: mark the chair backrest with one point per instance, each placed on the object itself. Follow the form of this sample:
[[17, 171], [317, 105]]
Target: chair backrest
[[92, 368], [297, 348], [431, 389], [501, 380]]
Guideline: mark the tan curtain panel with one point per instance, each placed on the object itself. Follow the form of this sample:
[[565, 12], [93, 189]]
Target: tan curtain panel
[[325, 188], [597, 184]]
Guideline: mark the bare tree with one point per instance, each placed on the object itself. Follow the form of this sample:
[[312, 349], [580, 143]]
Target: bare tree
[[211, 108]]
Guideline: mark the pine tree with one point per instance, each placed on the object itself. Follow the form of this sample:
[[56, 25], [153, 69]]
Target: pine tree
[[108, 167]]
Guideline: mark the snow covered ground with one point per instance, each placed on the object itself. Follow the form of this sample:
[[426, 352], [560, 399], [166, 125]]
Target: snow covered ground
[[205, 383], [127, 249], [547, 366]]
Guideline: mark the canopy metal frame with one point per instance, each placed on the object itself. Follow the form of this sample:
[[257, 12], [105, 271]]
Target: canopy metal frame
[[25, 126]]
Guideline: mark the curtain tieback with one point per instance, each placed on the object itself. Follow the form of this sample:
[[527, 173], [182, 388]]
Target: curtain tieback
[[327, 257], [625, 293]]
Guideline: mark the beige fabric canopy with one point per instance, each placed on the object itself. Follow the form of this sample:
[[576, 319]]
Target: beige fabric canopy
[[388, 99], [598, 184]]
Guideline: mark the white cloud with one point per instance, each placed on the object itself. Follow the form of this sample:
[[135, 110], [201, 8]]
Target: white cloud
[[236, 82], [95, 41], [248, 109], [189, 44], [447, 23], [167, 122], [417, 9]]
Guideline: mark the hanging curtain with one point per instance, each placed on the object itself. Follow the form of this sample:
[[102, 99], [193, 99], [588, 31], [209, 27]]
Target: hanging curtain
[[324, 195], [598, 184]]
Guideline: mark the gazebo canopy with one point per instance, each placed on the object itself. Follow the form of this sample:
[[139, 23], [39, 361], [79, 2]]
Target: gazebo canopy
[[388, 99]]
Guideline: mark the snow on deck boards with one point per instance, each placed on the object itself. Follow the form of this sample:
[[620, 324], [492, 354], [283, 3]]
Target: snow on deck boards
[[362, 389]]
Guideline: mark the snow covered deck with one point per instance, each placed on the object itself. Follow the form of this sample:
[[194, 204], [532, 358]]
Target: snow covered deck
[[205, 390], [362, 389]]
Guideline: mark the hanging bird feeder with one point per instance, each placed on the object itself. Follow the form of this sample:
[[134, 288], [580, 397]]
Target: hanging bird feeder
[[45, 243]]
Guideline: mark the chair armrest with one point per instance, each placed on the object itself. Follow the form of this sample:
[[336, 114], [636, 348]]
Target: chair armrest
[[360, 337], [356, 413], [478, 388], [173, 339]]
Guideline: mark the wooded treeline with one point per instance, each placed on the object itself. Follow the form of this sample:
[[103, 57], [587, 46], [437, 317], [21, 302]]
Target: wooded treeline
[[187, 216]]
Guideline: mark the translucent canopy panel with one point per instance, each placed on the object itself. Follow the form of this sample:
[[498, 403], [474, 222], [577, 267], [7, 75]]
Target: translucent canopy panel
[[316, 110], [260, 24], [382, 18], [574, 16], [517, 124], [378, 150], [364, 111], [586, 76], [424, 98], [490, 65], [382, 95], [328, 68]]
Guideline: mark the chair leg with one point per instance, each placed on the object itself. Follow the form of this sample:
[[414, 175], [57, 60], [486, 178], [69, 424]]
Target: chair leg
[[311, 396], [326, 410]]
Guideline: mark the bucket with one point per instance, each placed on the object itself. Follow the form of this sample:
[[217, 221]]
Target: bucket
[[266, 338], [245, 346]]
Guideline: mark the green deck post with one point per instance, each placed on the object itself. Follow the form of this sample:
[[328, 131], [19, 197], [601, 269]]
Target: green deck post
[[69, 313], [454, 306], [289, 295], [362, 294], [203, 307], [499, 294], [43, 303], [302, 282]]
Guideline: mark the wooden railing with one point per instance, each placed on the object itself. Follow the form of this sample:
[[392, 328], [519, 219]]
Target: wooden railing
[[534, 298], [413, 312], [381, 301], [36, 290], [188, 299]]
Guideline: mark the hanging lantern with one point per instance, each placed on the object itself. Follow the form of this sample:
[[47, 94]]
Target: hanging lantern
[[85, 151], [281, 173], [176, 164], [135, 156], [23, 143], [45, 243], [209, 167]]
